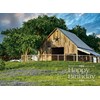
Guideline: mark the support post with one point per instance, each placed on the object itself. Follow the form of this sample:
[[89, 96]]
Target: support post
[[64, 57], [76, 57], [57, 57], [90, 58]]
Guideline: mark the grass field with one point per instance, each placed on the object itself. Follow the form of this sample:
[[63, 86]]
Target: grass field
[[54, 73]]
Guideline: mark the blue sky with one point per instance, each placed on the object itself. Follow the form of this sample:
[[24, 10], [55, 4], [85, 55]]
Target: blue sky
[[91, 21]]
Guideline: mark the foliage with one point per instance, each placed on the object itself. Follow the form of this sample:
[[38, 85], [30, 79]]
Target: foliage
[[94, 42], [11, 43], [27, 39], [80, 32], [2, 64], [90, 40], [43, 25], [2, 49]]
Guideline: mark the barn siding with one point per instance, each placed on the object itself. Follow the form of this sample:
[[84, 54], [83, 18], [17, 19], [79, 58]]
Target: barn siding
[[63, 41]]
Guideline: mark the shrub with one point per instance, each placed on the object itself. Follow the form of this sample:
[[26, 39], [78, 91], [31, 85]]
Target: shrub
[[2, 64]]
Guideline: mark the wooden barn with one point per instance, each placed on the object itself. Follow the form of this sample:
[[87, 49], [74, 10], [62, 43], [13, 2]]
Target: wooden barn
[[64, 45]]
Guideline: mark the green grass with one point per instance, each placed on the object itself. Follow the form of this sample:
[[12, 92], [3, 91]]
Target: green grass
[[53, 73]]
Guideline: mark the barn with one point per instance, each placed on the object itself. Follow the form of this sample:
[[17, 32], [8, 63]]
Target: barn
[[64, 45]]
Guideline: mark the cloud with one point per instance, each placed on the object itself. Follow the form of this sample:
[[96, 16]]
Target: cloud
[[91, 21], [8, 21], [13, 20], [5, 21]]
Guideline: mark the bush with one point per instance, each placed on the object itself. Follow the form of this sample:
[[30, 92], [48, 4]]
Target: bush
[[2, 64]]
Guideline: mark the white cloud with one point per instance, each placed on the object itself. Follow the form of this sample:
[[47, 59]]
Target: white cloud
[[5, 21], [89, 33], [78, 15]]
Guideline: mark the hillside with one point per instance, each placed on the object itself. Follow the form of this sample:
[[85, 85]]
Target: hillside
[[47, 74]]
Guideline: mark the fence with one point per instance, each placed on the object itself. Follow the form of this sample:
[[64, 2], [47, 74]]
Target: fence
[[61, 57], [10, 58]]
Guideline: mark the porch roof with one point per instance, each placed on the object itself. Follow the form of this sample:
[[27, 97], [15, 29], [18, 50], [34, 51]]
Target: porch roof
[[89, 51]]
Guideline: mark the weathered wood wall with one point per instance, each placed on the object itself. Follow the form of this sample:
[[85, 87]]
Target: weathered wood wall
[[58, 39]]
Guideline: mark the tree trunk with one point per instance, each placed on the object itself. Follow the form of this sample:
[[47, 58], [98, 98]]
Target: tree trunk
[[26, 55]]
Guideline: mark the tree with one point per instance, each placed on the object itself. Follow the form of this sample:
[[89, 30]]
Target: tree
[[29, 45], [80, 32], [39, 28], [93, 42], [27, 39], [11, 43], [1, 50], [43, 25], [90, 40]]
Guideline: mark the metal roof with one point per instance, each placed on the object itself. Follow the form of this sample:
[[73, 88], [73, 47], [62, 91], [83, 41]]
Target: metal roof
[[89, 52], [93, 53], [77, 41]]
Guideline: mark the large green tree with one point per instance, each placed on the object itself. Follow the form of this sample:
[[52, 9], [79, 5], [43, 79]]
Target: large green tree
[[43, 25], [18, 43], [94, 42], [38, 29], [27, 39], [11, 42], [80, 32], [90, 40]]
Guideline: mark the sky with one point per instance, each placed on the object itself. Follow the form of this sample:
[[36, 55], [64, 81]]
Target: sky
[[91, 21]]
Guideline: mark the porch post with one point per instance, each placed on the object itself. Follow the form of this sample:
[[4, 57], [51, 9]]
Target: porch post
[[90, 58], [76, 57], [98, 59], [64, 57], [57, 57]]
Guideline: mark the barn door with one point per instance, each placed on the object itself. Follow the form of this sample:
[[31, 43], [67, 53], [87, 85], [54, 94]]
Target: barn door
[[58, 53]]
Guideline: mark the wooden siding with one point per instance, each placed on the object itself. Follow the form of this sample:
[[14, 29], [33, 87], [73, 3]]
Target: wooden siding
[[58, 39]]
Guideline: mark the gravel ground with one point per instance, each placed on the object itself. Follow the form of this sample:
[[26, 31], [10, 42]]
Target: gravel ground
[[25, 72]]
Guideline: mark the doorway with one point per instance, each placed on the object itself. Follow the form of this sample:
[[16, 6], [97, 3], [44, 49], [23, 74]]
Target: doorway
[[58, 53]]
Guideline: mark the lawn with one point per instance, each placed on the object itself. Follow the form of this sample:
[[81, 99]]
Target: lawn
[[49, 73]]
